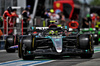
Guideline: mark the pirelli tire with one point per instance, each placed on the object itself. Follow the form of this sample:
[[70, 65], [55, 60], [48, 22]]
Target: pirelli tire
[[9, 43], [28, 45], [86, 43]]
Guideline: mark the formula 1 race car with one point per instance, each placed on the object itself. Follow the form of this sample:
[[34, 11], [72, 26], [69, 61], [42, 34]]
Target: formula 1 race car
[[55, 41]]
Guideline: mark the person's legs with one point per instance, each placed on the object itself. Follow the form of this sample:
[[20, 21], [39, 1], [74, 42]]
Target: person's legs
[[5, 26], [10, 32], [24, 28]]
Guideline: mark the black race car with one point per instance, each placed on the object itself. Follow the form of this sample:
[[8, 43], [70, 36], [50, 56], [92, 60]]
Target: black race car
[[55, 41]]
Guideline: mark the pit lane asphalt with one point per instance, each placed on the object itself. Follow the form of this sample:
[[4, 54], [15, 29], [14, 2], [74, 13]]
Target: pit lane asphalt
[[63, 61]]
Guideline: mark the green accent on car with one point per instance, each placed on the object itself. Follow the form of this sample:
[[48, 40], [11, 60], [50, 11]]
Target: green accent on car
[[73, 32], [81, 32], [91, 29], [58, 25], [99, 39], [93, 32], [85, 30], [50, 32], [1, 19], [99, 32], [56, 32]]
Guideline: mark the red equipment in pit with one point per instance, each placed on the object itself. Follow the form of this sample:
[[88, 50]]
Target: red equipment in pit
[[66, 6], [73, 24]]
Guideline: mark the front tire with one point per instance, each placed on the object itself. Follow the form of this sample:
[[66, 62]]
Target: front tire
[[25, 57], [27, 45]]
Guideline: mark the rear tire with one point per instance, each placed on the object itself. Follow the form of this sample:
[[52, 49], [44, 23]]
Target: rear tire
[[30, 57], [9, 43], [86, 43]]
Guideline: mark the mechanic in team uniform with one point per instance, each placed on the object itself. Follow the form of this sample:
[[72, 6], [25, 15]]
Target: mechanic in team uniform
[[12, 21], [62, 19], [53, 15], [28, 11], [6, 14], [47, 13], [87, 21], [1, 24], [26, 19]]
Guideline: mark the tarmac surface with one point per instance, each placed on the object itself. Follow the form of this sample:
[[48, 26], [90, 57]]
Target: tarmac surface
[[12, 59]]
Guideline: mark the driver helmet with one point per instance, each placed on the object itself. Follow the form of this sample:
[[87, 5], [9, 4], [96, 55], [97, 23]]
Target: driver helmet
[[9, 8], [51, 10]]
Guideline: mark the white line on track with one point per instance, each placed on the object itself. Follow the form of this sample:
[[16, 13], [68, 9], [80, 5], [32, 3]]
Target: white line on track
[[42, 63], [34, 63], [24, 63], [11, 61], [96, 48], [20, 63], [97, 52], [2, 50]]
